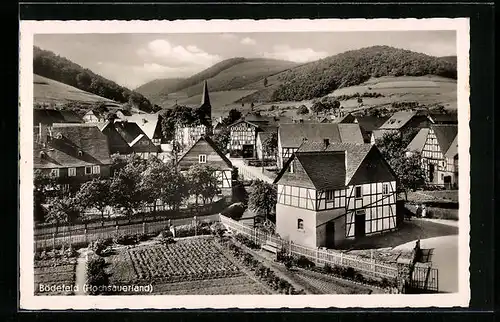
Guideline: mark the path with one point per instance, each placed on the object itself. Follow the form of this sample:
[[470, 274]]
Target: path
[[81, 271], [250, 173], [444, 258]]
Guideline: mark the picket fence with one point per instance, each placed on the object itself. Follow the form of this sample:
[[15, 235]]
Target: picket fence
[[317, 255], [82, 237]]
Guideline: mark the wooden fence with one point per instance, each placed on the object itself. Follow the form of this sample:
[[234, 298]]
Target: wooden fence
[[317, 255]]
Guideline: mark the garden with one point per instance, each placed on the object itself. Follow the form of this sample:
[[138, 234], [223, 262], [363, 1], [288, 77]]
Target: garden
[[55, 272]]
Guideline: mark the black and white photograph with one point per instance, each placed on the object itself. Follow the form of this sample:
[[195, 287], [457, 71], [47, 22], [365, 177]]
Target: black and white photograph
[[247, 164]]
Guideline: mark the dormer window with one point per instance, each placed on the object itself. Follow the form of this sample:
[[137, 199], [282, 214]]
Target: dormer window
[[59, 136], [80, 153], [42, 154]]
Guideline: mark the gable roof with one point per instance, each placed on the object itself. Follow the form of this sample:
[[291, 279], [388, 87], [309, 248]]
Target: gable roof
[[292, 135], [445, 135], [326, 167], [418, 142], [449, 118], [212, 144], [62, 150], [50, 116], [146, 122], [129, 131], [398, 120], [370, 123], [264, 135]]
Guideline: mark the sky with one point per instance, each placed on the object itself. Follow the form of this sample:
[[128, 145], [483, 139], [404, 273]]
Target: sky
[[134, 59]]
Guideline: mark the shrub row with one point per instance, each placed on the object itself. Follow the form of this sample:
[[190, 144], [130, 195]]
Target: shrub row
[[245, 240], [264, 273], [97, 278], [358, 95], [69, 252]]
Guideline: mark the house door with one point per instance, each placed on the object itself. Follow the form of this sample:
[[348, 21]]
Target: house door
[[330, 234], [359, 224], [431, 172], [247, 151], [447, 182]]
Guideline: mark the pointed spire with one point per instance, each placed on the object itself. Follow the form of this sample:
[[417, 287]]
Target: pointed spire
[[205, 99]]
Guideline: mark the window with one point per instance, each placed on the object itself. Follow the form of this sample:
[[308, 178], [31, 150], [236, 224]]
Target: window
[[300, 224], [96, 169], [80, 153], [358, 193], [88, 170], [72, 172], [54, 173], [202, 158], [329, 194], [385, 189]]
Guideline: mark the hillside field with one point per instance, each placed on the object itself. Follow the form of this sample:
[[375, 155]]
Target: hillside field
[[46, 90]]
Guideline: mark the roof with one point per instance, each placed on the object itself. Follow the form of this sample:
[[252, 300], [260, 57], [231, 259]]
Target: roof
[[445, 135], [370, 123], [129, 131], [292, 135], [444, 118], [62, 151], [418, 142], [264, 135], [50, 116], [213, 146], [453, 150], [348, 118], [398, 120], [146, 122], [326, 167]]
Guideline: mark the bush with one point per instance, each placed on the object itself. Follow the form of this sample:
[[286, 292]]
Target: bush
[[246, 241], [218, 229], [442, 213], [98, 246], [97, 278], [305, 262]]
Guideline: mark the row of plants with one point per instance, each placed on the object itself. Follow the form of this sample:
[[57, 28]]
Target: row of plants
[[184, 260], [245, 240], [344, 272], [62, 253], [264, 273], [346, 97]]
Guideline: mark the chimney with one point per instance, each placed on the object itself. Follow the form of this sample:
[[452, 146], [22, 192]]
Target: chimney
[[326, 142]]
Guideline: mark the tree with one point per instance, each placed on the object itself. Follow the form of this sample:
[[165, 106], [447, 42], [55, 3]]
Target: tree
[[408, 168], [63, 210], [302, 110], [262, 198], [270, 145], [174, 189], [265, 82], [202, 182], [125, 189], [222, 139], [95, 193], [318, 107], [233, 116], [152, 180]]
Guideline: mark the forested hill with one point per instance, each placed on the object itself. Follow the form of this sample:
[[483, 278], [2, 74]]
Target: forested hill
[[50, 65], [354, 67]]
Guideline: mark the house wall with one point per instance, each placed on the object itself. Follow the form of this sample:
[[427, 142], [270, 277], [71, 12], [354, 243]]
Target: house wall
[[90, 118], [186, 136], [299, 197], [258, 147], [104, 172], [337, 216], [202, 147], [286, 225], [432, 154], [241, 134]]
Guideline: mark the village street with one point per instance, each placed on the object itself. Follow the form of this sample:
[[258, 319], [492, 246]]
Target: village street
[[250, 173]]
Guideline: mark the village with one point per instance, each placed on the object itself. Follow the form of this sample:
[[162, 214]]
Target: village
[[307, 205]]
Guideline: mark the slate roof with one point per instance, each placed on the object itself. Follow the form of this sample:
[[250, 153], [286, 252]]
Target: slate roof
[[451, 118], [61, 151], [50, 116], [445, 135], [129, 131], [325, 167], [212, 144], [418, 142], [146, 122], [398, 120], [370, 123], [292, 135]]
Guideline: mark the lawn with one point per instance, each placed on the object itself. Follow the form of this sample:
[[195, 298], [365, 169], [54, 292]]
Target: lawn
[[433, 195], [189, 266], [55, 272]]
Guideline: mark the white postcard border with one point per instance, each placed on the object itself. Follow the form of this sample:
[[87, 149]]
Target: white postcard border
[[31, 302]]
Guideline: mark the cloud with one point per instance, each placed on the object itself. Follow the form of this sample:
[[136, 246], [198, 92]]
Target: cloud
[[163, 52], [299, 55], [248, 41]]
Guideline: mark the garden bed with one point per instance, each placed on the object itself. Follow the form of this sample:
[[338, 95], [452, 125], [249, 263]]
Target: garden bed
[[58, 274]]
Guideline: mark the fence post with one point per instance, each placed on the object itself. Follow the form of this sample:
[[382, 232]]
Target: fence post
[[86, 237], [144, 228], [54, 240], [195, 226], [341, 258]]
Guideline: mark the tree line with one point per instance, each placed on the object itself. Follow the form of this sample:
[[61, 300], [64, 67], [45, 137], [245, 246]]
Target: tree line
[[354, 67], [50, 65], [135, 183]]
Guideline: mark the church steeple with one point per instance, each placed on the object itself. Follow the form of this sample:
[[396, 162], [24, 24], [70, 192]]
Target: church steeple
[[205, 107]]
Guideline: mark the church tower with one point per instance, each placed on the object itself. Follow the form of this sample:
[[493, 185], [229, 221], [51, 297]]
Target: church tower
[[205, 106]]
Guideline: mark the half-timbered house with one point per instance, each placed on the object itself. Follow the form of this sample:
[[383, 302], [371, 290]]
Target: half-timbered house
[[330, 192], [401, 122], [438, 146], [150, 124], [72, 152], [204, 151], [291, 136]]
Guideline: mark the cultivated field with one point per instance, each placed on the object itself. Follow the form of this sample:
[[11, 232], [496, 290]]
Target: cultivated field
[[189, 266], [57, 272], [46, 90]]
